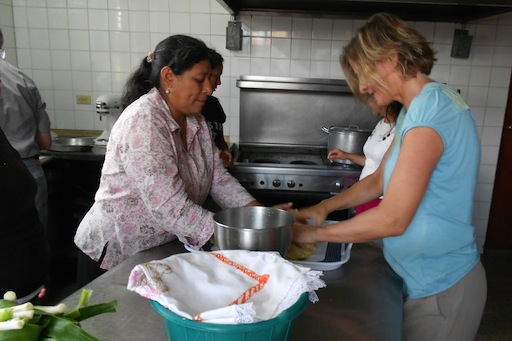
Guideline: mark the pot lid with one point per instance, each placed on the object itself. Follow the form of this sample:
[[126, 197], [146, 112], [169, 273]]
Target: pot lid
[[349, 128]]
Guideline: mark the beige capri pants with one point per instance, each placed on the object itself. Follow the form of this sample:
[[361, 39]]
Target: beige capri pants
[[451, 315]]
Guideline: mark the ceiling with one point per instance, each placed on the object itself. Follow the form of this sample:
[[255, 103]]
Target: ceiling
[[459, 11]]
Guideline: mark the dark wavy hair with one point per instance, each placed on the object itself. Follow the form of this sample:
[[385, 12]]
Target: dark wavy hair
[[179, 52], [393, 110], [215, 58]]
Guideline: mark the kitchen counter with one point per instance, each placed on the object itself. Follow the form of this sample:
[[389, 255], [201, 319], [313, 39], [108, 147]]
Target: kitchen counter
[[362, 301], [97, 153]]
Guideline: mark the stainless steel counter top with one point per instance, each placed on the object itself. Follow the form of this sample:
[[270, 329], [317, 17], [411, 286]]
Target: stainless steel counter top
[[97, 153], [362, 301]]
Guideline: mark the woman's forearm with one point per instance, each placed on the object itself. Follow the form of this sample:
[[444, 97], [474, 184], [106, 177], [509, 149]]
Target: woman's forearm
[[357, 159], [360, 193]]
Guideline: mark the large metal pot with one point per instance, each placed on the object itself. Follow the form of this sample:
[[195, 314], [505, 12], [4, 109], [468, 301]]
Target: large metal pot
[[349, 139], [255, 228]]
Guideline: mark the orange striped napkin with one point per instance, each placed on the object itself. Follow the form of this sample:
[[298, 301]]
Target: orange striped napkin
[[228, 287]]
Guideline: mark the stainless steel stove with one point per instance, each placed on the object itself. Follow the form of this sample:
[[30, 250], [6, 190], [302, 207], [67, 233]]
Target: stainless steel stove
[[291, 168], [282, 154]]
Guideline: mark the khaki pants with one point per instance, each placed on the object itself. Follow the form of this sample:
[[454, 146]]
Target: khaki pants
[[452, 315]]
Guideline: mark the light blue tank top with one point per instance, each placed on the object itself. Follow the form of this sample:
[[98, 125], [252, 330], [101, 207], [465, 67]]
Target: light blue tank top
[[439, 246]]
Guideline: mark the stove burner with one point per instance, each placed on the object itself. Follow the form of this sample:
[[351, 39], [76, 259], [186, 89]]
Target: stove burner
[[348, 166], [266, 161], [302, 162]]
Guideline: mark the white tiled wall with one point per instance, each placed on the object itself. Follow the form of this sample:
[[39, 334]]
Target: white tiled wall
[[7, 25], [89, 47]]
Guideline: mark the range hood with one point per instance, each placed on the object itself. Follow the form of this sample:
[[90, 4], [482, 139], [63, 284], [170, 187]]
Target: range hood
[[458, 11]]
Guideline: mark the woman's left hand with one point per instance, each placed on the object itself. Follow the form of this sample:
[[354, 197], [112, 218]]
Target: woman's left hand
[[315, 213], [303, 233], [287, 206]]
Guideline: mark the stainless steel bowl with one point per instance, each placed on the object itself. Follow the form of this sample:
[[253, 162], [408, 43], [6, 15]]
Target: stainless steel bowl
[[255, 228], [72, 144], [75, 141]]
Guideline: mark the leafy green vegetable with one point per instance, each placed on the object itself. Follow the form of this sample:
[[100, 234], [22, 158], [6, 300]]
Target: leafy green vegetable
[[60, 328], [51, 323], [29, 332]]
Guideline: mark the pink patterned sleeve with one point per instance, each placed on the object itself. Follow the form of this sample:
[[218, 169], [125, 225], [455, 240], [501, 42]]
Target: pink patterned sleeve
[[226, 190]]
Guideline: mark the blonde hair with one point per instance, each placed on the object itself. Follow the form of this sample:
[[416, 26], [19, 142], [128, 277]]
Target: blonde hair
[[383, 37]]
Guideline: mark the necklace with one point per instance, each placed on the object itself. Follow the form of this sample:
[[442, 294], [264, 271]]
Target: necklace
[[389, 132]]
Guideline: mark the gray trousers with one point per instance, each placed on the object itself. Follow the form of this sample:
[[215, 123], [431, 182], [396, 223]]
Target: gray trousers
[[452, 315]]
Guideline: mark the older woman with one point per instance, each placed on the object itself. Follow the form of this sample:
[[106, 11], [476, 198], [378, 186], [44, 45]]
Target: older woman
[[160, 163], [428, 179]]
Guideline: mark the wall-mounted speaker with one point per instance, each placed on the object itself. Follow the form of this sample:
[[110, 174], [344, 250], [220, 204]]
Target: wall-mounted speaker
[[461, 44], [234, 36]]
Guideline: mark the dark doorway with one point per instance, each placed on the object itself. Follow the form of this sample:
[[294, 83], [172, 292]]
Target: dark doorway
[[499, 229]]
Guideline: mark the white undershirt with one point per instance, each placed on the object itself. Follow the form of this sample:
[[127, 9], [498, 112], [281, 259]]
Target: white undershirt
[[376, 146]]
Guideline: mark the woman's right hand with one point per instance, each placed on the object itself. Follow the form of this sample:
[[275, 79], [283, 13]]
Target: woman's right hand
[[227, 158], [337, 154]]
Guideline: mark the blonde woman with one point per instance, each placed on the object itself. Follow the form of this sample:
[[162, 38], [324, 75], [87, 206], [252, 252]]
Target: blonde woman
[[428, 178]]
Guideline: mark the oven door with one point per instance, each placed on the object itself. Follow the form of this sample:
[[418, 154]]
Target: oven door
[[299, 200]]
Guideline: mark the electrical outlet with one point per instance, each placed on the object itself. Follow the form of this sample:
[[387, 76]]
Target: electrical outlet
[[83, 99]]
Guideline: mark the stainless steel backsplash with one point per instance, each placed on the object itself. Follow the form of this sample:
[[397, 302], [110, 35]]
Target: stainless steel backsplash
[[291, 111]]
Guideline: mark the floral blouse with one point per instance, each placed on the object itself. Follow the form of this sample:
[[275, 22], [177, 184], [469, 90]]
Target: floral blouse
[[152, 188]]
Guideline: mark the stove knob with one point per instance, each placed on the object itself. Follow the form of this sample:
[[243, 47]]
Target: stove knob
[[276, 183], [291, 184]]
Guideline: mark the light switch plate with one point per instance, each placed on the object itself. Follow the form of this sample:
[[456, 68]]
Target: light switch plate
[[83, 99]]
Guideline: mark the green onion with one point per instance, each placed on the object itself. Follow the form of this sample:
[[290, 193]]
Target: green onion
[[97, 309], [10, 296], [56, 309], [11, 324], [5, 314], [48, 323], [29, 332], [22, 310]]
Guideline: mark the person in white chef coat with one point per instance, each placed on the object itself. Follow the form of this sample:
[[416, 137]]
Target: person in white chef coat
[[428, 178]]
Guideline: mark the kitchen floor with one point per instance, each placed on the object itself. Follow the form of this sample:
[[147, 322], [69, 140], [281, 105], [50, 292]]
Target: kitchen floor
[[496, 322]]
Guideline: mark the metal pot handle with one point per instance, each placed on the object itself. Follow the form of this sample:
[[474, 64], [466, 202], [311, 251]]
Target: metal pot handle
[[325, 130], [354, 127]]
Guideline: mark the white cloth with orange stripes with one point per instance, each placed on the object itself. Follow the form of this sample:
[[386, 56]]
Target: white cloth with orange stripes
[[228, 287]]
